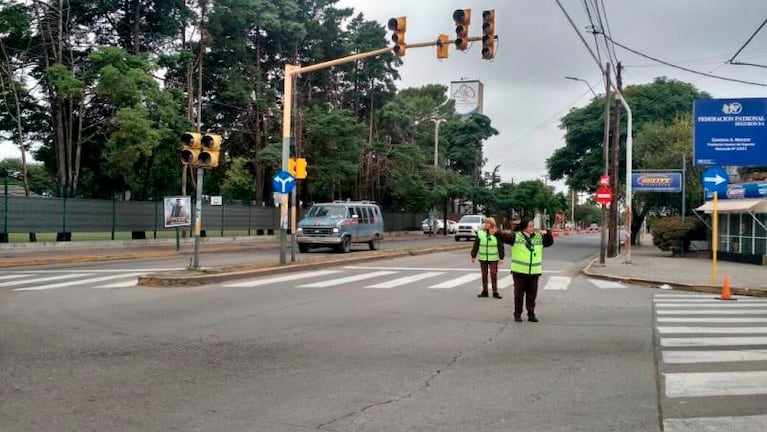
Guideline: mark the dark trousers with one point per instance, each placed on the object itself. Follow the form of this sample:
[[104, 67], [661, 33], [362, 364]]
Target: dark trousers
[[492, 268], [525, 288]]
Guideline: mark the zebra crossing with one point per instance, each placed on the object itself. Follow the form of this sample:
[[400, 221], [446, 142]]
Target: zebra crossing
[[41, 280], [369, 277], [712, 350]]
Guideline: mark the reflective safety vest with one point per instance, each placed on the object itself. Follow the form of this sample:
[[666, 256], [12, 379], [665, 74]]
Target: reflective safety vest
[[488, 247], [527, 258]]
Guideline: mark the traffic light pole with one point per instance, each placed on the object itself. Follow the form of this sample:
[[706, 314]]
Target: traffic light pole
[[198, 220]]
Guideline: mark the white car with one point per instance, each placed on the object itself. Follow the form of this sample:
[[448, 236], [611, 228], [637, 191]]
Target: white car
[[468, 226], [452, 226]]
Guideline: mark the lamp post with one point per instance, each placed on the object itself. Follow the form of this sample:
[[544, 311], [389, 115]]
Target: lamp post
[[583, 81], [436, 121]]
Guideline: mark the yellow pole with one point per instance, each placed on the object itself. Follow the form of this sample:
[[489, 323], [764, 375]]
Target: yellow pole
[[714, 238]]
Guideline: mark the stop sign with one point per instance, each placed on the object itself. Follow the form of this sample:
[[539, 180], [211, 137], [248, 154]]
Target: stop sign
[[604, 195]]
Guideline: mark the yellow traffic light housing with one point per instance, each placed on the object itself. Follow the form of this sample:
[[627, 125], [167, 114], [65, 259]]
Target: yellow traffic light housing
[[462, 18], [443, 45], [398, 27], [211, 146], [192, 142], [488, 34], [300, 168], [292, 166]]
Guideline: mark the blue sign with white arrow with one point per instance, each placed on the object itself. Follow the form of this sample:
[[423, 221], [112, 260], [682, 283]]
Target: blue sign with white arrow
[[715, 179], [283, 182]]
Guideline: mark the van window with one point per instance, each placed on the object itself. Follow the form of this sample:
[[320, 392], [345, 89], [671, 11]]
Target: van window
[[326, 211], [366, 214]]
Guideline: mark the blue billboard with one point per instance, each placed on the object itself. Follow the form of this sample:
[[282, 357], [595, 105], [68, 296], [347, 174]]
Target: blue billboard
[[730, 132], [656, 182], [741, 190]]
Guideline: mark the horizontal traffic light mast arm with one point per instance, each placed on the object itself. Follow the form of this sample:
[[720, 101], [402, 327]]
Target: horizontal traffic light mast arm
[[342, 60]]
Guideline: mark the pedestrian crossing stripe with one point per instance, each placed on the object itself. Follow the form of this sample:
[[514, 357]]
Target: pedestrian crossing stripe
[[607, 284], [281, 278], [707, 424], [457, 281], [345, 280], [730, 311], [701, 384], [708, 356], [43, 279], [14, 276], [704, 300], [713, 341], [712, 320], [711, 330], [720, 304], [405, 280], [557, 283], [77, 282]]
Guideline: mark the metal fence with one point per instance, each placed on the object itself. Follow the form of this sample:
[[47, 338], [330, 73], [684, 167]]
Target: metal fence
[[64, 219]]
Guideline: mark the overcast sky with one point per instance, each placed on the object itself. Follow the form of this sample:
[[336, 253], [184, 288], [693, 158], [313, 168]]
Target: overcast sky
[[525, 92]]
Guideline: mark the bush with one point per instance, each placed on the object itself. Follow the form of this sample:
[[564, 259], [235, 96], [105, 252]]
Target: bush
[[668, 233]]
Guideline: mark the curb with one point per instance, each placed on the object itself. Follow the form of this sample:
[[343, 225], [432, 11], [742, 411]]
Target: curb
[[652, 283], [195, 278]]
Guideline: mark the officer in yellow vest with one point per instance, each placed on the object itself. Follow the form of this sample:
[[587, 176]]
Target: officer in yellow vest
[[526, 264], [489, 248]]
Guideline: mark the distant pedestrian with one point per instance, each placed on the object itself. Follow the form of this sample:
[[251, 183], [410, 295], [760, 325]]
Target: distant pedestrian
[[526, 264], [488, 248]]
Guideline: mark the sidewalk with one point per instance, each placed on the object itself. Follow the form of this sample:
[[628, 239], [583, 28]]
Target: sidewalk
[[653, 267]]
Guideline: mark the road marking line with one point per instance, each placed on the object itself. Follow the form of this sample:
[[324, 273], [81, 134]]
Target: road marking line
[[101, 270], [462, 269], [405, 280], [124, 284], [664, 295], [15, 276], [713, 341], [699, 384], [607, 284], [686, 357], [712, 320], [705, 300], [38, 280], [711, 312], [712, 330], [756, 423], [345, 280], [276, 279], [77, 282], [505, 282], [458, 281], [712, 305], [557, 283]]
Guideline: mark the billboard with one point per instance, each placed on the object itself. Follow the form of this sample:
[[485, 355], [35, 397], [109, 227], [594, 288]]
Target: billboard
[[176, 211], [656, 182], [467, 96], [730, 132]]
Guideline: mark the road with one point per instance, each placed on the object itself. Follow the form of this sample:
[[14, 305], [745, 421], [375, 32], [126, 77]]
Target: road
[[393, 345]]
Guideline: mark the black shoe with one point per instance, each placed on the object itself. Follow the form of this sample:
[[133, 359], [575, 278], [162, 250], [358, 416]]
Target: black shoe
[[496, 295], [517, 318], [532, 318], [482, 294]]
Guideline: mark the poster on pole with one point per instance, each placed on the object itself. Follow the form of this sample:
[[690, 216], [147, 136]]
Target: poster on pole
[[176, 211], [467, 96]]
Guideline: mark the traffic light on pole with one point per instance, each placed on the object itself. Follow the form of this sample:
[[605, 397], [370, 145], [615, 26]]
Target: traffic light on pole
[[488, 34], [211, 145], [190, 154], [300, 168], [292, 166], [462, 18], [443, 44], [398, 26]]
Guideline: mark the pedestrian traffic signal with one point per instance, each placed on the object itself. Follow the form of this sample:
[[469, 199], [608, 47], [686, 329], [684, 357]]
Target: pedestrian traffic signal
[[398, 26], [211, 145], [443, 45], [192, 142], [488, 34], [292, 166], [462, 18], [300, 168]]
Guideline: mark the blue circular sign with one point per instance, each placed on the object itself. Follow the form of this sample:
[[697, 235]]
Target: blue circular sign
[[283, 182], [715, 179]]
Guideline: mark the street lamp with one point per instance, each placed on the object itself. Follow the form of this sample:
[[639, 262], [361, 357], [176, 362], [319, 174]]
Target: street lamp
[[436, 121], [584, 81]]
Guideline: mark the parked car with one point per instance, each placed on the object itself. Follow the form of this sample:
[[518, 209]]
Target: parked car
[[468, 226], [452, 226]]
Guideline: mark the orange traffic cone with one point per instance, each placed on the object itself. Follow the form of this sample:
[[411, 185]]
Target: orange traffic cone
[[726, 290]]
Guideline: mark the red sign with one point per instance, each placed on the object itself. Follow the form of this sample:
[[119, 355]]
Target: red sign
[[604, 181], [604, 195]]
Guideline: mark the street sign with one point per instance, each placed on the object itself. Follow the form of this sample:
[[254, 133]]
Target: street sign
[[730, 132], [715, 179], [604, 195], [604, 181], [656, 182], [283, 182]]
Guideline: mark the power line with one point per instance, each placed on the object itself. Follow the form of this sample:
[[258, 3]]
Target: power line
[[748, 41], [684, 68]]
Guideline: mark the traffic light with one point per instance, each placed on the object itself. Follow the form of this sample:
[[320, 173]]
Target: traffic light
[[211, 145], [300, 168], [398, 26], [488, 34], [192, 145], [462, 18], [443, 44], [292, 166]]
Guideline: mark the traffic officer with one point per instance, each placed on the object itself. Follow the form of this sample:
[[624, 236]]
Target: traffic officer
[[490, 250]]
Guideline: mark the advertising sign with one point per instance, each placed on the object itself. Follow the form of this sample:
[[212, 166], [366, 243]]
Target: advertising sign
[[656, 182], [467, 96], [176, 211], [740, 190], [730, 132]]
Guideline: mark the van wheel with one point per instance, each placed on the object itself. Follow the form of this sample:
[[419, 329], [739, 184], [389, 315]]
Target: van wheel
[[457, 238], [346, 245], [303, 248], [375, 243]]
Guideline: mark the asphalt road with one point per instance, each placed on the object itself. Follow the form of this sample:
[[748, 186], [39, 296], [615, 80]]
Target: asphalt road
[[397, 344]]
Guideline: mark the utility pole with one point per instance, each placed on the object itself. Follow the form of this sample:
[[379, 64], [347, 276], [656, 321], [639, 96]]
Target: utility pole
[[605, 150], [612, 244]]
